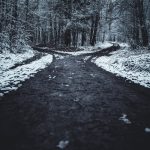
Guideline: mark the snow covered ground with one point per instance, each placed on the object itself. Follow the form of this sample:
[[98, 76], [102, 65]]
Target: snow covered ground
[[133, 65], [8, 60], [10, 79]]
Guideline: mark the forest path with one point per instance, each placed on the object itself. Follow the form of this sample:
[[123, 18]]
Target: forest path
[[74, 105]]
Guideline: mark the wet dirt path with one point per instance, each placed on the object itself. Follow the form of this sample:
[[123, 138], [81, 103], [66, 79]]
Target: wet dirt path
[[74, 105]]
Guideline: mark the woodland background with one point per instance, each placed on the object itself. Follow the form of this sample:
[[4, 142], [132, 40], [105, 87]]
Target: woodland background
[[73, 22]]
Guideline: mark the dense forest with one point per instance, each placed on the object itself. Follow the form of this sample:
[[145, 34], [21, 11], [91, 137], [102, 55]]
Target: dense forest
[[73, 22]]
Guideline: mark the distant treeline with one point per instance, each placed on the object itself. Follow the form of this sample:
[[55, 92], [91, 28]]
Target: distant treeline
[[73, 22]]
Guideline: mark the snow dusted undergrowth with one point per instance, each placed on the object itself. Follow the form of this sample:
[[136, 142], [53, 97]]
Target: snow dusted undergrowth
[[133, 65], [11, 78], [8, 60], [103, 45]]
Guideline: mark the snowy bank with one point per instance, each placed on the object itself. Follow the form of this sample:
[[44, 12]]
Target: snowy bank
[[10, 80], [130, 64], [8, 60]]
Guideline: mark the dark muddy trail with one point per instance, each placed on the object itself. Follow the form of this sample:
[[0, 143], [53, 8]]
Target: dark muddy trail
[[73, 100]]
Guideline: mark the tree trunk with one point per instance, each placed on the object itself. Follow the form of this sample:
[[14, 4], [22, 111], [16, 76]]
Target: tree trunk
[[97, 17], [83, 38], [67, 38], [142, 22], [1, 14], [92, 29], [26, 13]]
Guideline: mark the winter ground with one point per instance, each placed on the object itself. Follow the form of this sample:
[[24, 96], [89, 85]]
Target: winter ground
[[8, 60], [11, 76], [72, 104], [134, 65]]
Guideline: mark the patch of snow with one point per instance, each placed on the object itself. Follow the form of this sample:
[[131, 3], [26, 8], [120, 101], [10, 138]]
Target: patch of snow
[[10, 80], [125, 119], [8, 60], [1, 94], [99, 45], [86, 58], [92, 75], [56, 67], [147, 130], [133, 65], [76, 100], [51, 77], [54, 77], [78, 52], [104, 44], [59, 56], [124, 45], [63, 144]]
